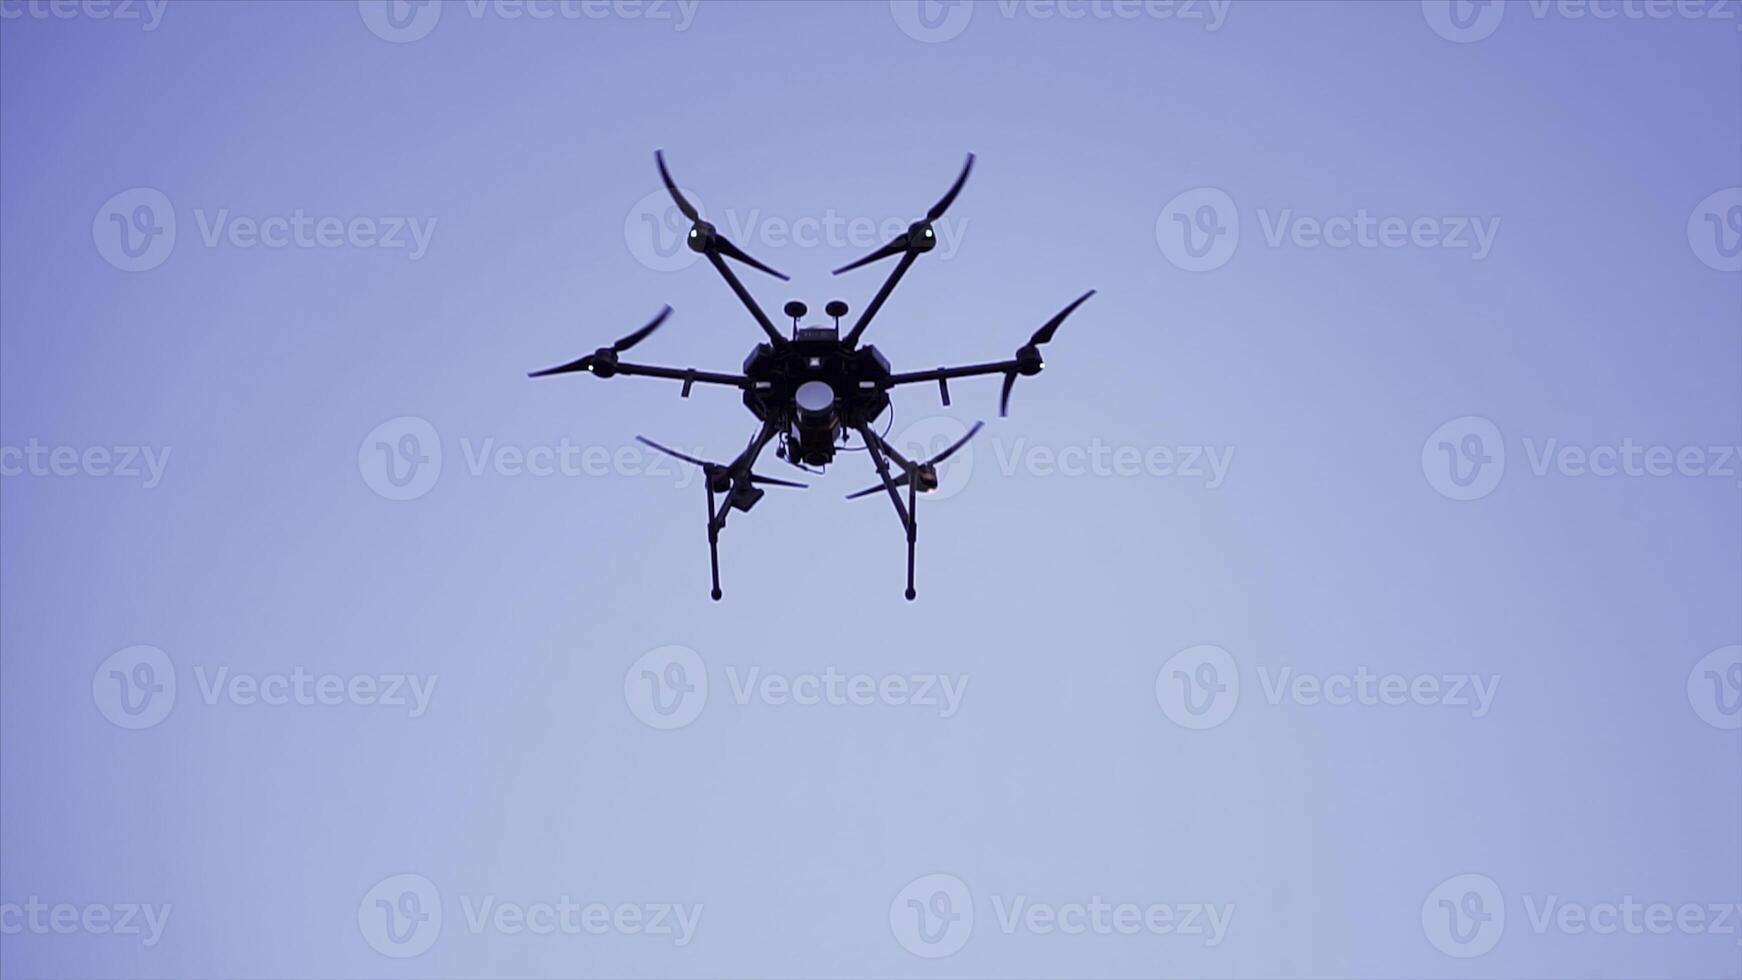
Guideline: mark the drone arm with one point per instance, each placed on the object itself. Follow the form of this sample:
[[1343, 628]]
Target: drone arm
[[746, 460], [876, 304], [744, 296], [688, 376], [945, 373]]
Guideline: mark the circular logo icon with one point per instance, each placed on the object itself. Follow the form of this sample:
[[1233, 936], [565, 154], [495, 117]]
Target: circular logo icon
[[1715, 230], [933, 916], [666, 687], [1198, 687], [1465, 458], [931, 21], [657, 233], [135, 229], [926, 438], [400, 21], [1464, 916], [1463, 21], [401, 916], [1715, 688], [135, 687], [1199, 229], [401, 458]]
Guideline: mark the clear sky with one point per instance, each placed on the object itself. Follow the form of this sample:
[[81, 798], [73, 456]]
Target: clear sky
[[1356, 593]]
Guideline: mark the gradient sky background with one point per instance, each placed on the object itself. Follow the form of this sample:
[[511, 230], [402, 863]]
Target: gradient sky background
[[1597, 316]]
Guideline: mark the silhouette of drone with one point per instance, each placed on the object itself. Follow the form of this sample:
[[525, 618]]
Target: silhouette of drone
[[813, 388]]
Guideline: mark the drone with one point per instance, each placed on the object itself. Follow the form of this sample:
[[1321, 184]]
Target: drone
[[813, 388]]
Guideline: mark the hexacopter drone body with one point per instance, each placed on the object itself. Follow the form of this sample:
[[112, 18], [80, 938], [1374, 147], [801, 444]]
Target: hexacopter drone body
[[815, 389]]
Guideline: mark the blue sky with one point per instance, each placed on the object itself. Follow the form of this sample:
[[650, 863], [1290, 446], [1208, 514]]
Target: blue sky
[[1354, 594]]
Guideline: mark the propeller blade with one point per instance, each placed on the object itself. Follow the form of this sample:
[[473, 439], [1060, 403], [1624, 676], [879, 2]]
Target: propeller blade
[[938, 209], [896, 246], [959, 443], [1044, 334], [725, 247], [771, 481], [579, 364], [1004, 396], [640, 335], [900, 481], [688, 209], [704, 464]]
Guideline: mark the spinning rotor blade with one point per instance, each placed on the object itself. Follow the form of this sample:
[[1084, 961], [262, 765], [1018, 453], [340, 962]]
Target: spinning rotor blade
[[897, 246], [726, 248], [1028, 360], [900, 481], [688, 209], [771, 481], [586, 363], [903, 479], [938, 209], [714, 242], [1044, 334], [959, 443], [704, 464], [906, 241]]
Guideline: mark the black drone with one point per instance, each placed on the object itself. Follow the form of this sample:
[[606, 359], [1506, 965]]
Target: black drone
[[813, 388]]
